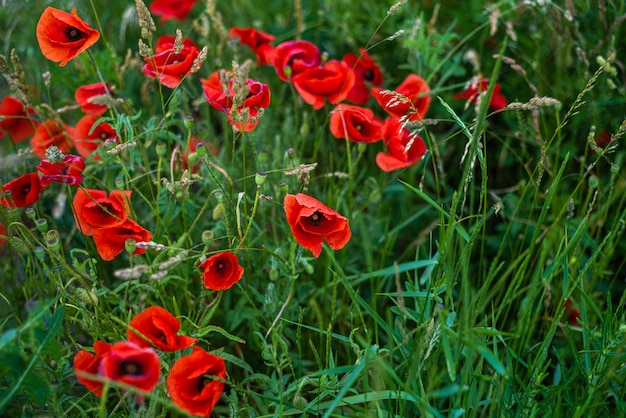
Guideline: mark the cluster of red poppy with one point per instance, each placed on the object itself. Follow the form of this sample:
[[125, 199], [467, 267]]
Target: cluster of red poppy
[[195, 382]]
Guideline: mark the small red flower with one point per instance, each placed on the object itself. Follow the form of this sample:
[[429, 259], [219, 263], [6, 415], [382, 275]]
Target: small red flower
[[366, 74], [111, 240], [312, 223], [167, 42], [3, 234], [297, 56], [50, 133], [572, 313], [85, 364], [259, 42], [195, 382], [411, 98], [67, 171], [156, 327], [172, 9], [405, 148], [170, 67], [356, 123], [94, 209], [87, 143], [15, 120], [62, 36], [333, 81], [221, 271], [477, 86], [84, 94], [24, 191], [128, 363]]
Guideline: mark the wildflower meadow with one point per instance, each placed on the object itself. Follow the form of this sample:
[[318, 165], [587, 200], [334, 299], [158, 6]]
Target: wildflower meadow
[[312, 208]]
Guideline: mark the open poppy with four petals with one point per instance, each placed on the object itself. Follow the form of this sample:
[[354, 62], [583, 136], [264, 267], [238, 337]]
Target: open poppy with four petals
[[156, 327], [96, 209]]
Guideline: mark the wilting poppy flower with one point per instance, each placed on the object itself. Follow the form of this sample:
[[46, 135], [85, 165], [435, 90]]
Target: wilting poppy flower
[[479, 85], [50, 133], [297, 56], [195, 382], [259, 42], [15, 120], [333, 81], [111, 240], [170, 67], [86, 363], [95, 209], [221, 271], [156, 327], [366, 74], [172, 9], [128, 363], [410, 99], [62, 36], [356, 123], [405, 148], [84, 94], [87, 143], [24, 191], [312, 223], [67, 171]]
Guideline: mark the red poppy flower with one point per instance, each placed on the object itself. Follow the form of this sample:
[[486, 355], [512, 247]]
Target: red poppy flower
[[405, 148], [411, 98], [84, 94], [366, 74], [67, 171], [312, 223], [111, 240], [479, 85], [333, 81], [156, 327], [3, 233], [356, 123], [85, 363], [166, 42], [259, 42], [24, 191], [15, 120], [297, 56], [221, 271], [216, 92], [50, 133], [170, 67], [62, 36], [94, 209], [87, 143], [572, 313], [172, 9], [195, 382], [132, 365]]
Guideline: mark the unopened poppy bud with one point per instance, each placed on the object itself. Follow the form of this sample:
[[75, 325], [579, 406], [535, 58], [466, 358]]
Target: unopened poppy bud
[[207, 237], [200, 149], [362, 147], [18, 245], [299, 402], [283, 186], [291, 153], [179, 195], [593, 182], [119, 182], [161, 148], [273, 274], [263, 157], [85, 296], [218, 211], [130, 245], [307, 267], [192, 159], [218, 195], [42, 225], [40, 253], [188, 122], [260, 178], [30, 212]]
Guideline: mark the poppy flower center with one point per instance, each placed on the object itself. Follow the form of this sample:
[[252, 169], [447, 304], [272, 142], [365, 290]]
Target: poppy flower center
[[26, 189], [204, 381], [220, 267], [368, 75], [104, 136], [74, 34], [130, 367], [315, 219]]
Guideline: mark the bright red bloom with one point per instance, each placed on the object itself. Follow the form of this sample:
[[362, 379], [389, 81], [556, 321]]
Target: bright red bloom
[[356, 123], [50, 133], [259, 42], [94, 209], [411, 98], [24, 191], [128, 363], [15, 120], [67, 171], [312, 223], [333, 81], [297, 56], [221, 271], [111, 240], [85, 363], [87, 143], [62, 36], [170, 67], [172, 9], [216, 92], [3, 233], [366, 73], [405, 148], [166, 42], [479, 85], [156, 327], [195, 382], [84, 94]]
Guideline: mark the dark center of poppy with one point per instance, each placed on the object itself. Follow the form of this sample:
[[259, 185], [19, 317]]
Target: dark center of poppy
[[130, 367], [368, 75], [161, 336], [26, 188], [74, 34], [220, 267], [203, 381], [315, 219], [104, 136], [358, 127]]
